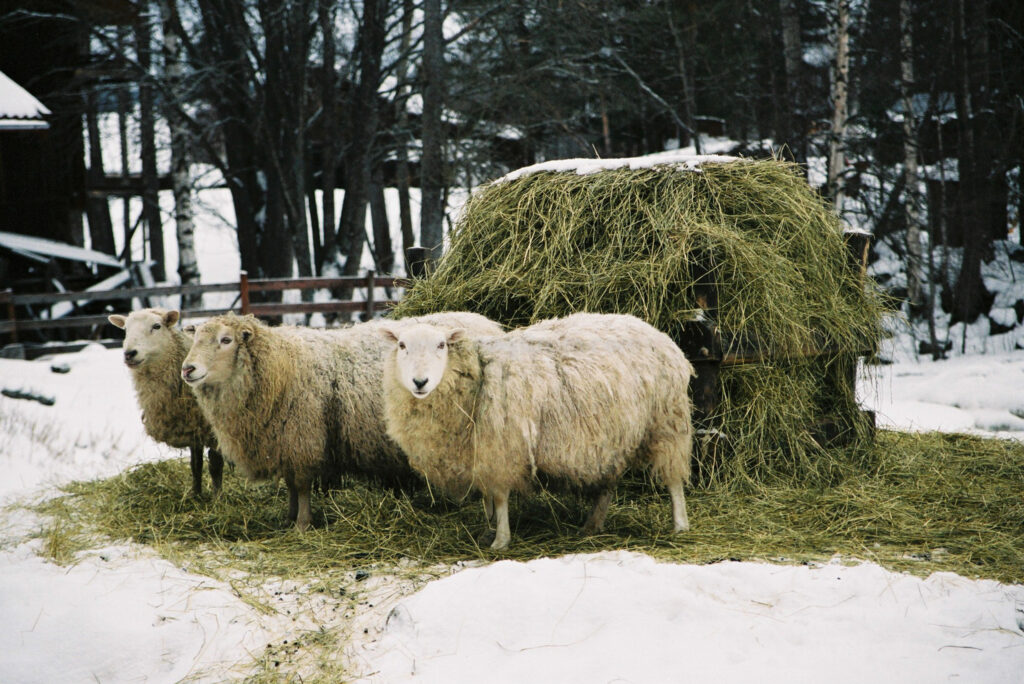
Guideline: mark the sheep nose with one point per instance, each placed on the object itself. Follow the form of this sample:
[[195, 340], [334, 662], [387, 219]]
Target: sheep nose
[[187, 370], [419, 382], [130, 354]]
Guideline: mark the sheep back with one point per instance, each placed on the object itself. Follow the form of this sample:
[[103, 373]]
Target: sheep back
[[578, 399], [304, 403]]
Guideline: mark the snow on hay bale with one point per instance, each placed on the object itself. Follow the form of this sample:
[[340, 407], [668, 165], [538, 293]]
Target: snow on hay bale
[[709, 250]]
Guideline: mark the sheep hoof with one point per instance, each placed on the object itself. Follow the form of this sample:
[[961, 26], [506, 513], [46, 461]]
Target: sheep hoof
[[486, 538]]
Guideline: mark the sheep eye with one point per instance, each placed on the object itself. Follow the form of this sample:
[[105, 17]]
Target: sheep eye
[[401, 345], [156, 326], [225, 340], [441, 345]]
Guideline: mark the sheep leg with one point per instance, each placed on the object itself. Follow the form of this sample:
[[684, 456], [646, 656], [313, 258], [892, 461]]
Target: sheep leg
[[196, 463], [595, 521], [298, 503], [680, 522], [488, 508], [502, 535], [216, 468], [305, 515], [293, 502]]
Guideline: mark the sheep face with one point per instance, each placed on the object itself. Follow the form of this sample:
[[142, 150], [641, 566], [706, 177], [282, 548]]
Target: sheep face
[[421, 355], [214, 349], [148, 334]]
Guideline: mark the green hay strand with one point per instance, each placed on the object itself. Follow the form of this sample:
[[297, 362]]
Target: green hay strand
[[918, 503], [627, 241]]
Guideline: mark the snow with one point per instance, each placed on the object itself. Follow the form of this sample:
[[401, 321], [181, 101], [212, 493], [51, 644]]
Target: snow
[[115, 617], [682, 159], [979, 394], [122, 614], [623, 617], [18, 108]]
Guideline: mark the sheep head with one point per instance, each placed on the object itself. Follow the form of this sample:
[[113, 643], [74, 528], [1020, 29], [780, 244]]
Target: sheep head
[[215, 346], [421, 355], [148, 334]]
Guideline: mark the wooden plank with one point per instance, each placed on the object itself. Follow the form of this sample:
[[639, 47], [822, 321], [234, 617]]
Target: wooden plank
[[268, 285], [169, 290], [126, 293], [243, 291], [7, 296], [54, 323], [278, 309]]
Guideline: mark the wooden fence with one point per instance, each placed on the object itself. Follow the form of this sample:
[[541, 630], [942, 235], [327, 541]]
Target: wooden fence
[[14, 327]]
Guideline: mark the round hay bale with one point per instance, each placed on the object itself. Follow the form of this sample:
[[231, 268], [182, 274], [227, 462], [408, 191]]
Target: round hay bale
[[628, 239]]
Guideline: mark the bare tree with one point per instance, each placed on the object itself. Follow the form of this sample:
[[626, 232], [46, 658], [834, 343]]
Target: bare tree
[[147, 142], [432, 180], [181, 159], [365, 118], [911, 193], [794, 108], [840, 102]]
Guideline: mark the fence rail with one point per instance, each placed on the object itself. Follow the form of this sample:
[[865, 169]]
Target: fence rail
[[9, 301]]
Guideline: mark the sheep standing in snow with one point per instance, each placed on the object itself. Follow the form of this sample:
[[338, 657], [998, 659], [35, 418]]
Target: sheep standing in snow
[[576, 399], [153, 351], [298, 403]]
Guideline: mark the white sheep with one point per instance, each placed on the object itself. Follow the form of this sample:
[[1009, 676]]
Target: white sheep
[[577, 399], [153, 352], [298, 403]]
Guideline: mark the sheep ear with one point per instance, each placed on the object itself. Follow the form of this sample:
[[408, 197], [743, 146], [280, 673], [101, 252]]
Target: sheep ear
[[456, 335], [387, 334], [246, 335], [117, 320], [171, 317]]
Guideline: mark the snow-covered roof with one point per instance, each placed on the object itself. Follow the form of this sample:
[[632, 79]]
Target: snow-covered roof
[[19, 110], [42, 249], [678, 158]]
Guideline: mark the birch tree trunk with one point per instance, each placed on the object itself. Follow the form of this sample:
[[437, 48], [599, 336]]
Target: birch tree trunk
[[181, 161], [911, 194], [840, 103]]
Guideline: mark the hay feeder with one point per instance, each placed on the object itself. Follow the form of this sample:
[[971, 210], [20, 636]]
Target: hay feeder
[[739, 261]]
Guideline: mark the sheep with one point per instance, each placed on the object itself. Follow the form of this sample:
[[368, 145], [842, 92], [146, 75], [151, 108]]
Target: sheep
[[298, 403], [153, 351], [576, 400]]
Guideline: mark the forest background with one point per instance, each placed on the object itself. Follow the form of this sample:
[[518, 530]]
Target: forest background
[[907, 115]]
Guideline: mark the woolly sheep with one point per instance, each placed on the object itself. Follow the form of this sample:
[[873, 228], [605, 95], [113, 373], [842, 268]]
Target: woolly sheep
[[153, 351], [299, 403], [576, 399]]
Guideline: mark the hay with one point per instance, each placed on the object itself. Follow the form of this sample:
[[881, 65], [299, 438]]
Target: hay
[[628, 240], [923, 503]]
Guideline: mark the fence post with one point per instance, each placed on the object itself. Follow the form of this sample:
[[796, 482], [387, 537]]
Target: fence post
[[243, 291], [701, 340], [416, 262], [370, 285], [7, 297]]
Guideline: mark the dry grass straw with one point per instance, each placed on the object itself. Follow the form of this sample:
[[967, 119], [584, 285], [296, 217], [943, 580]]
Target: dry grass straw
[[909, 502], [627, 241]]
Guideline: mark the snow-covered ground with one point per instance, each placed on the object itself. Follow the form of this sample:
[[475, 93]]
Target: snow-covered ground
[[122, 614]]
